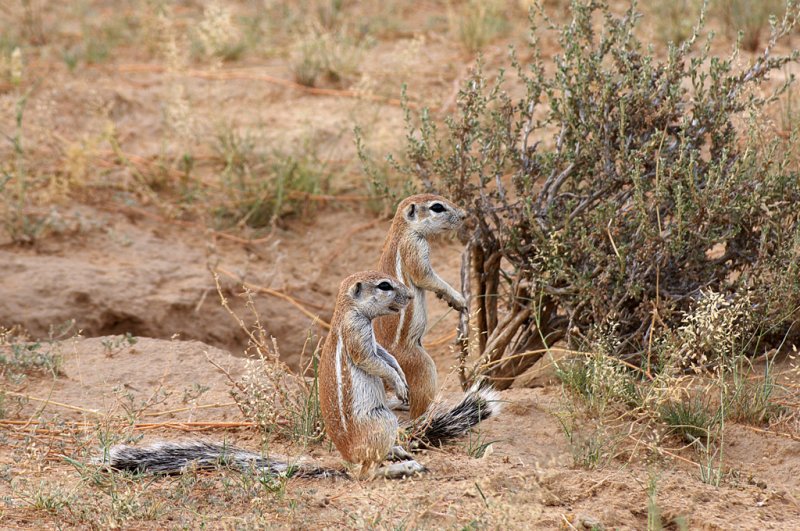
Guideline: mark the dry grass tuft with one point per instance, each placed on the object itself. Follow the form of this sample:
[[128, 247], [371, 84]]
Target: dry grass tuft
[[269, 394]]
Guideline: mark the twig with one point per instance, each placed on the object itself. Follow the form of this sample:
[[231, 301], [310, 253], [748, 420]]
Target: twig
[[53, 402], [227, 374], [192, 425], [288, 298], [190, 224], [246, 74], [776, 433], [189, 408], [179, 425], [569, 524], [445, 338]]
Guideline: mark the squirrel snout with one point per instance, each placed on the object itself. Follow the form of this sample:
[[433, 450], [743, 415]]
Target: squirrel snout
[[405, 297]]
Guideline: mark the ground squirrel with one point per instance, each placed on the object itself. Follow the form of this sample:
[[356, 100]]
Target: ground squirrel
[[352, 371], [353, 367], [406, 254]]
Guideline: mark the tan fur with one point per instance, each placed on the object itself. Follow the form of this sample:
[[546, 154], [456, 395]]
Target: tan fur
[[402, 333], [351, 393]]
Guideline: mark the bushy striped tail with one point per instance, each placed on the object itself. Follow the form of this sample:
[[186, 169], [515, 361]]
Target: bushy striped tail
[[437, 426], [177, 457]]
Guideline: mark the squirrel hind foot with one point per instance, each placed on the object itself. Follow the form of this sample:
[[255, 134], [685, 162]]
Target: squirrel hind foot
[[401, 470], [397, 405], [398, 453]]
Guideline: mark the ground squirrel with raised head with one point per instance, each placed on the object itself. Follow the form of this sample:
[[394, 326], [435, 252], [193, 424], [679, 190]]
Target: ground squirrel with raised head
[[406, 254], [352, 371], [353, 367]]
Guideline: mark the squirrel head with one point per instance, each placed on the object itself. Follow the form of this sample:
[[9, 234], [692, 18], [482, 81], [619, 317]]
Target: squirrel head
[[429, 215], [374, 294]]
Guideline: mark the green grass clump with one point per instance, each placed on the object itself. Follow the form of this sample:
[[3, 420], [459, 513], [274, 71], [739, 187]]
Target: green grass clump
[[691, 419], [477, 23], [749, 19], [264, 186]]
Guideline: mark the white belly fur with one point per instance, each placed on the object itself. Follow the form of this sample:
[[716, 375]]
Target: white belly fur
[[368, 388], [419, 314]]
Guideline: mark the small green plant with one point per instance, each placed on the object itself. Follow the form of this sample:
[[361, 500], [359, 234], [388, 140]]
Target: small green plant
[[133, 406], [269, 394], [123, 496], [254, 480], [19, 356], [12, 67], [712, 449], [329, 13], [331, 57], [711, 455], [692, 419], [591, 449], [116, 344], [750, 19], [191, 394], [16, 184], [477, 23], [675, 20], [217, 35], [750, 396], [654, 522], [47, 497], [263, 187], [598, 379], [477, 445], [98, 41]]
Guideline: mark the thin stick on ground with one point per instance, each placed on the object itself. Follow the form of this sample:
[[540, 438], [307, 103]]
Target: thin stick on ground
[[248, 74], [53, 402], [268, 291], [188, 408]]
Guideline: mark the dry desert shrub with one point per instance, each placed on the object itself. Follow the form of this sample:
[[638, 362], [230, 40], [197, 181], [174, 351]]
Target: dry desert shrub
[[618, 188]]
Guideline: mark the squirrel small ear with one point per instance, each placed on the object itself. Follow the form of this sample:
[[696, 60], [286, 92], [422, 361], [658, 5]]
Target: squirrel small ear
[[411, 211], [355, 291]]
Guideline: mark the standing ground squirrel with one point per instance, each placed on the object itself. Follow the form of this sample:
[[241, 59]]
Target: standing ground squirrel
[[352, 370], [406, 254]]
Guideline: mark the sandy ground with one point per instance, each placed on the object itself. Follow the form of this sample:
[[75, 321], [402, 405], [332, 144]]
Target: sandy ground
[[122, 259], [526, 480]]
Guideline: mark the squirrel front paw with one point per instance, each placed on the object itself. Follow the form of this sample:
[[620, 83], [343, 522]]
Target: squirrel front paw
[[455, 300], [458, 303], [401, 390]]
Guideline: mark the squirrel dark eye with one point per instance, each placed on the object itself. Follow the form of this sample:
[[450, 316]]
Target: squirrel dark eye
[[385, 286], [437, 207]]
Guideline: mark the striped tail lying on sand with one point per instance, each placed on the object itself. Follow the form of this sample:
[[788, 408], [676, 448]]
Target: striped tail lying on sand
[[436, 427], [178, 457]]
